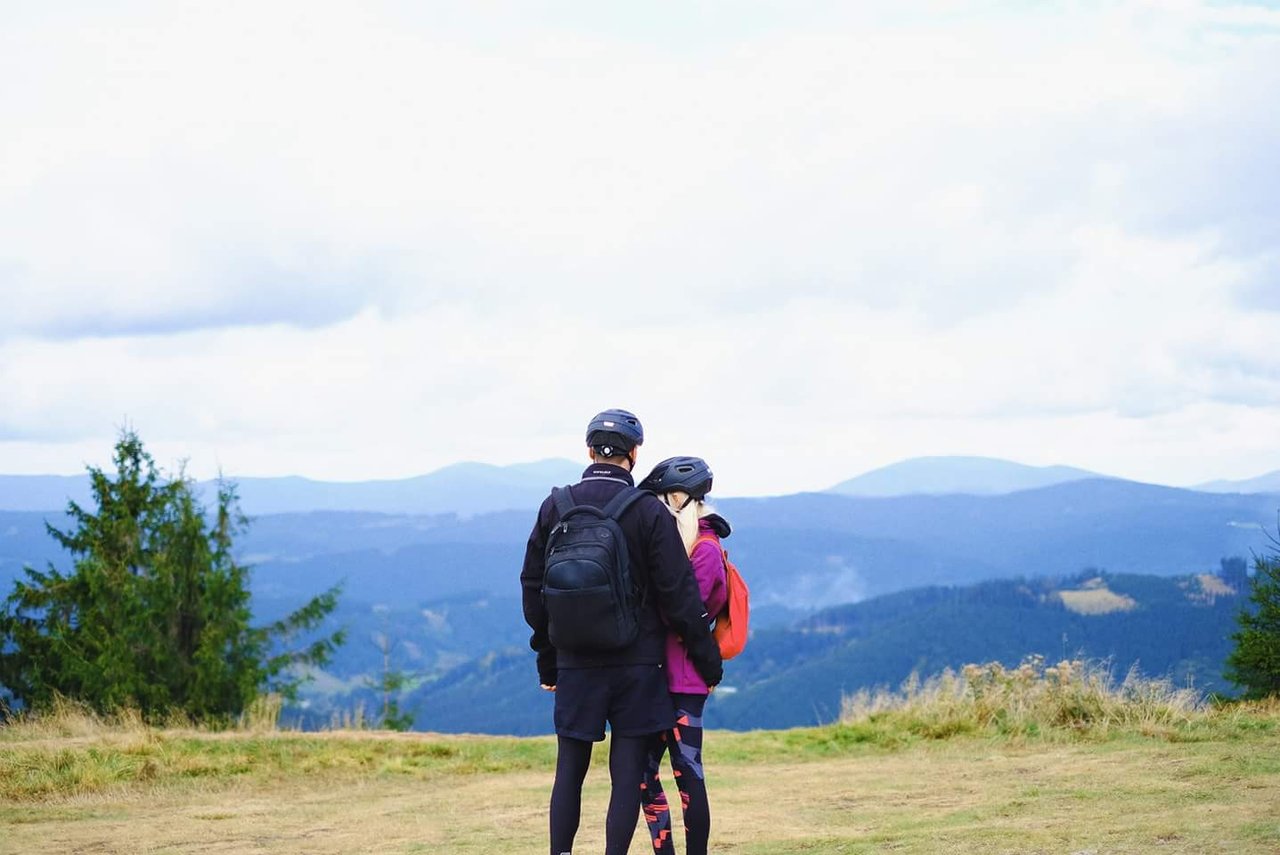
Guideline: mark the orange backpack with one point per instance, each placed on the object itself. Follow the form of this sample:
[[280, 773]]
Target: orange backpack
[[731, 625]]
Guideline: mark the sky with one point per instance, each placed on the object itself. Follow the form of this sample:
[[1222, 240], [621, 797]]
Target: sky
[[800, 239]]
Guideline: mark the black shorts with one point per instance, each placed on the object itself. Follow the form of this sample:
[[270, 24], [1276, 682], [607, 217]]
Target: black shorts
[[632, 698]]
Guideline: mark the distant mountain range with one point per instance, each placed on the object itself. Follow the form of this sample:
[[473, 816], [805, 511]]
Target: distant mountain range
[[42, 492], [444, 587], [1268, 483], [465, 488], [477, 488], [977, 476], [801, 552], [804, 551]]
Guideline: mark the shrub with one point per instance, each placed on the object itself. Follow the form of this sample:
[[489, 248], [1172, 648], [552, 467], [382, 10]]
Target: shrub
[[1254, 664]]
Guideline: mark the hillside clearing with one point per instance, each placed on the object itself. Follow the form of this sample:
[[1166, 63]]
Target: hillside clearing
[[1096, 601], [821, 790]]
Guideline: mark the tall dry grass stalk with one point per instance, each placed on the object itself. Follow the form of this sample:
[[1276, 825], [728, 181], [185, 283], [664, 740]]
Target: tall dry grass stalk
[[69, 718], [1073, 696], [262, 715], [354, 719]]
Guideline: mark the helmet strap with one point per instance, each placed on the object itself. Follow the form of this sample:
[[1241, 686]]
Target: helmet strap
[[687, 499]]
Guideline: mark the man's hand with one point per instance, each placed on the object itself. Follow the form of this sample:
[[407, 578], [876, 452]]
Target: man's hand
[[547, 688]]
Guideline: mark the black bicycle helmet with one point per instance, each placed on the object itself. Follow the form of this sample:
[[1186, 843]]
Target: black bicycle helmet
[[689, 475], [614, 431]]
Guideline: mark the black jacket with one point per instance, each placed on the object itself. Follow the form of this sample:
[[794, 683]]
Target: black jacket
[[660, 567]]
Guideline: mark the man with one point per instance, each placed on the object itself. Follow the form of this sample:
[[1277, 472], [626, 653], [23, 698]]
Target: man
[[626, 685]]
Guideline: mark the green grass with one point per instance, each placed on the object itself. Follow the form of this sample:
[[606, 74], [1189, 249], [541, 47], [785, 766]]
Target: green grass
[[72, 752], [39, 769], [934, 768], [814, 790]]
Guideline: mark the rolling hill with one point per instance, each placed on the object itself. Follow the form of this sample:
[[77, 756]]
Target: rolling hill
[[978, 476], [1175, 627], [802, 552], [1268, 483]]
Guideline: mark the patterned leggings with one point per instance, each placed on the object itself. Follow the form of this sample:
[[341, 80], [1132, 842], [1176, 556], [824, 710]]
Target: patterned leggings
[[684, 744]]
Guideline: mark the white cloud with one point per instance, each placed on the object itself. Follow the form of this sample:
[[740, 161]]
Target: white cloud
[[365, 241]]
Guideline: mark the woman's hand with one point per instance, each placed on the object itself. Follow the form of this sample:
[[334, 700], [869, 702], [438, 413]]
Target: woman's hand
[[547, 688]]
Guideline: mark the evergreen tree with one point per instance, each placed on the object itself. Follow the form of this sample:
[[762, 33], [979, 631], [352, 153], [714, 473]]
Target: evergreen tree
[[1254, 664], [155, 612], [391, 685]]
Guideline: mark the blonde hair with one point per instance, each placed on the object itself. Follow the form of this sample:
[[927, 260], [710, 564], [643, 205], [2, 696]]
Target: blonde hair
[[687, 517]]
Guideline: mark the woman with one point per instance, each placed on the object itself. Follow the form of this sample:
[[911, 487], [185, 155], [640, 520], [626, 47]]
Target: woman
[[682, 483]]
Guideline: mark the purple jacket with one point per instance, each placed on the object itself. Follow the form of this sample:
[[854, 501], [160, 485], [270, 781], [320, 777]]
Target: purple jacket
[[708, 569]]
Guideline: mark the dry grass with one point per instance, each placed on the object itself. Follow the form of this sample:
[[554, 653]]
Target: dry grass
[[1207, 588], [1209, 781], [67, 718], [1072, 698]]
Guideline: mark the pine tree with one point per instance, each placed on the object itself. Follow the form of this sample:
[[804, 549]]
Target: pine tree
[[1254, 664], [155, 613], [391, 685]]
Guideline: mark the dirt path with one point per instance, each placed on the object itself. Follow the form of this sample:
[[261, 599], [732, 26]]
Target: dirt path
[[974, 797]]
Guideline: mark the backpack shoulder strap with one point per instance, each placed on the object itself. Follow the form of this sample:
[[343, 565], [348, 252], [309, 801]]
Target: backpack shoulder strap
[[618, 505], [563, 498]]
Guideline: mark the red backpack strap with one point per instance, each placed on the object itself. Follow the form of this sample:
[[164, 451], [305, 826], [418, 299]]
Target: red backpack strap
[[711, 538]]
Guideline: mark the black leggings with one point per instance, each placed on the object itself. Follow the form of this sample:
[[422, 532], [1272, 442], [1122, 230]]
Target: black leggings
[[627, 756], [684, 744]]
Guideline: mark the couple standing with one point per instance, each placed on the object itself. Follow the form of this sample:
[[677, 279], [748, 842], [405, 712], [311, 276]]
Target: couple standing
[[651, 690]]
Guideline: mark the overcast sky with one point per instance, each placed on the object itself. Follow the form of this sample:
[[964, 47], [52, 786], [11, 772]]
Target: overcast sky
[[366, 240]]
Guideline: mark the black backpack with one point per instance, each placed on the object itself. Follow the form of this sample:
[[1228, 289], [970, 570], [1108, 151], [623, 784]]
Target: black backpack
[[591, 599]]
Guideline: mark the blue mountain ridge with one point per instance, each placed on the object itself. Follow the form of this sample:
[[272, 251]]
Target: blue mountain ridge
[[970, 475], [801, 552], [1267, 483], [466, 488], [474, 488], [444, 586]]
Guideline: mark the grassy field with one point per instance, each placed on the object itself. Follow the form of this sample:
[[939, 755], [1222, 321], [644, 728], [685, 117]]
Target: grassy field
[[1209, 783]]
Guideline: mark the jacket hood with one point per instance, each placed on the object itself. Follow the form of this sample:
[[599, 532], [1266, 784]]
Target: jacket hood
[[718, 524]]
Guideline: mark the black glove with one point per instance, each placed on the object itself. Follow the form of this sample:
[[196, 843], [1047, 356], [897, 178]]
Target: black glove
[[547, 671], [709, 665]]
